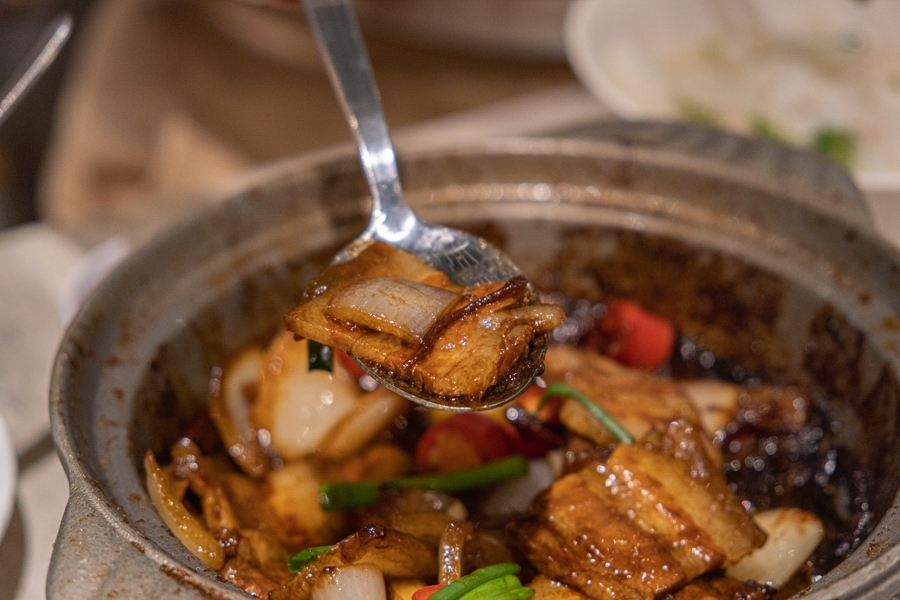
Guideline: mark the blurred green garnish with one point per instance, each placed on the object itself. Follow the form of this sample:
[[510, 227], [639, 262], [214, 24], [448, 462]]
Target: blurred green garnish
[[764, 128], [839, 145], [321, 357], [304, 557], [694, 112]]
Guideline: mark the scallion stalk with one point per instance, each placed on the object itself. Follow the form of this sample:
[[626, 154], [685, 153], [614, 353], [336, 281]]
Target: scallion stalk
[[493, 588], [561, 389], [519, 593], [304, 557], [321, 356], [464, 585], [344, 496]]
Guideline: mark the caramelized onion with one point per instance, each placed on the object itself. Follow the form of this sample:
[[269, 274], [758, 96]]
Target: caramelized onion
[[229, 407], [406, 309], [451, 551], [180, 522]]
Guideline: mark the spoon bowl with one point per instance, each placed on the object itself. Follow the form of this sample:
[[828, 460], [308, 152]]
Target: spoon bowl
[[466, 259]]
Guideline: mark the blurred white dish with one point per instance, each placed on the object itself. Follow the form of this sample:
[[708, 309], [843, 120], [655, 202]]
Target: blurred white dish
[[8, 474], [794, 70]]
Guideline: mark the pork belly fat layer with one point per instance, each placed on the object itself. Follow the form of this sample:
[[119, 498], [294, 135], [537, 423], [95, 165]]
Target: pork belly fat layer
[[640, 525], [581, 539], [471, 345]]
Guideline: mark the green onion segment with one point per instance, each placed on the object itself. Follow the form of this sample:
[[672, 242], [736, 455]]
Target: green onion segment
[[344, 496], [321, 357], [839, 145], [496, 581], [304, 557], [561, 389], [499, 587]]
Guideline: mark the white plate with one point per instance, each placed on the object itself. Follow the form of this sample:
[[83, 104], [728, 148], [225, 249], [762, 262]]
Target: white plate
[[8, 473], [795, 68]]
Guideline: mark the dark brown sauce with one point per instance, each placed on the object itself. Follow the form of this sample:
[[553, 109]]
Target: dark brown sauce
[[770, 464], [767, 462]]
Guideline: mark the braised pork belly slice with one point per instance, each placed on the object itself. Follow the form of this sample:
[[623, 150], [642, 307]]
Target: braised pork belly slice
[[651, 518], [548, 589], [444, 343], [705, 588], [724, 588], [634, 398]]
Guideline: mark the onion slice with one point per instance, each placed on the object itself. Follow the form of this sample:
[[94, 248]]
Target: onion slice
[[451, 551], [180, 522], [406, 309], [229, 406], [353, 582], [793, 535], [374, 413], [514, 497], [716, 402], [297, 407]]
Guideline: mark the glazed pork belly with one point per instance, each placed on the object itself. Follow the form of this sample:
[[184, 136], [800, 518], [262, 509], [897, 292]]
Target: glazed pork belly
[[399, 316], [653, 517], [704, 588]]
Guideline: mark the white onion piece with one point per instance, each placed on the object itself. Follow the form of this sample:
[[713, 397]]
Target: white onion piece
[[229, 407], [514, 497], [243, 371], [406, 309], [793, 535], [298, 407], [556, 462], [716, 402], [375, 412], [352, 582]]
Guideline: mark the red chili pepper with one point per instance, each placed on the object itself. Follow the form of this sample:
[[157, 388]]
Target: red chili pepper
[[426, 592], [202, 431], [636, 337], [533, 436], [461, 441]]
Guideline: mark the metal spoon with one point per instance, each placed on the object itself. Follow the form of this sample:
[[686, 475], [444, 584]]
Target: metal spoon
[[465, 258], [38, 60]]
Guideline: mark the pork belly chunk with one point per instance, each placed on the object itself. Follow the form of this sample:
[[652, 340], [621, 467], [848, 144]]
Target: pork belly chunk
[[435, 339], [652, 518], [705, 588], [634, 398], [724, 588]]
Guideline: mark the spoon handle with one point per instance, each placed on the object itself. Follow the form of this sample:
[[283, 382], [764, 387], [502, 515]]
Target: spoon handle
[[39, 58], [337, 31]]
